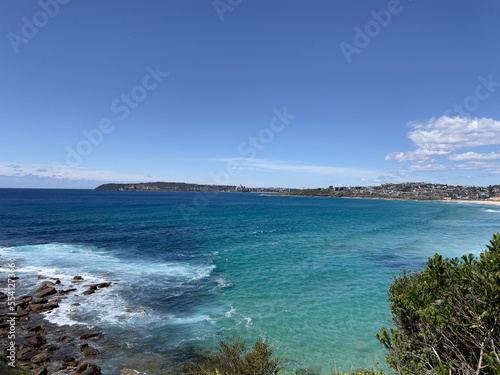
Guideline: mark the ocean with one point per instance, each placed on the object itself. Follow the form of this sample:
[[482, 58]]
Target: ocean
[[188, 269]]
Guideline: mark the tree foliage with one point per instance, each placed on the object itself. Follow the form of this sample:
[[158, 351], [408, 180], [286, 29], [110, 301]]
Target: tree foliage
[[234, 358], [447, 316]]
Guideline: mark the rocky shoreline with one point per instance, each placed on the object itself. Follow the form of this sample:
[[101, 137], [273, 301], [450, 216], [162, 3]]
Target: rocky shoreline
[[45, 348]]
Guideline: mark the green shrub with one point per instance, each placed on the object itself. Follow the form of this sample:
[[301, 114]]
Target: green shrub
[[234, 359], [361, 372], [447, 316]]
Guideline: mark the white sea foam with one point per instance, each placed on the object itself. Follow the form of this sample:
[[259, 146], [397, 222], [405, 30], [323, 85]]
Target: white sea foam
[[222, 282], [231, 311], [190, 319], [109, 306]]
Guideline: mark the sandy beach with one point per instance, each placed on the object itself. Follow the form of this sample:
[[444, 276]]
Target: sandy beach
[[493, 203]]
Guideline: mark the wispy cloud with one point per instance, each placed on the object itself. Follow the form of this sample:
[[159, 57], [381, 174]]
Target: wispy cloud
[[438, 141], [296, 167], [10, 170]]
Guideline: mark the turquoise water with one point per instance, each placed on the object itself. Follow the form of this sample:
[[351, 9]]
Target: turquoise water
[[309, 274]]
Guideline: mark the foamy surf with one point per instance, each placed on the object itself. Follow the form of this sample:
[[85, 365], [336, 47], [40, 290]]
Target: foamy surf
[[114, 306]]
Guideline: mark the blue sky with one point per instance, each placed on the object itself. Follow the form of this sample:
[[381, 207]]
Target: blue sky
[[254, 92]]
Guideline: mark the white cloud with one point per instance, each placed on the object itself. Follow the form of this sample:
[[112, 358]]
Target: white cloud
[[475, 156], [44, 171], [438, 140]]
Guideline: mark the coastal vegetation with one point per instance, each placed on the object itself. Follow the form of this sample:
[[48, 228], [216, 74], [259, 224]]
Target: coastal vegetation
[[234, 358], [447, 316], [5, 369]]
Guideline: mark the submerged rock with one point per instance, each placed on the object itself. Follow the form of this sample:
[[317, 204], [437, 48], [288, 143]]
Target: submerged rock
[[39, 301], [126, 371], [88, 350], [67, 291], [38, 328], [36, 307], [46, 292], [88, 369], [63, 338], [91, 336]]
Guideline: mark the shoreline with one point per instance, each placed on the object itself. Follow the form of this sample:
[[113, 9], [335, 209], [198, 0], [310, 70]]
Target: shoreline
[[487, 202], [492, 203]]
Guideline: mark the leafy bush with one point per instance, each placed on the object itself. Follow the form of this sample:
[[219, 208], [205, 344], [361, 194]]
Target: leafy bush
[[362, 372], [233, 358], [447, 316]]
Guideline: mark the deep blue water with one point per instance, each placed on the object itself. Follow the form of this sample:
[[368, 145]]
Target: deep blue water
[[309, 274]]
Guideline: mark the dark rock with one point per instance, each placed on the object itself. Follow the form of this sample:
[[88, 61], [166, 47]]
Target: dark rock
[[51, 348], [88, 292], [35, 341], [69, 364], [57, 282], [36, 307], [20, 305], [67, 291], [75, 304], [104, 285], [46, 292], [39, 301], [38, 328], [90, 336], [88, 350], [21, 313], [88, 369], [25, 365], [63, 338], [77, 278], [51, 306], [25, 354], [26, 298], [40, 358], [40, 371], [3, 295], [46, 284]]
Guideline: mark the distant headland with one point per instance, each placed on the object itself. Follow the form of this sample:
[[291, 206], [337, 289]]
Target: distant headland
[[184, 187], [403, 191]]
